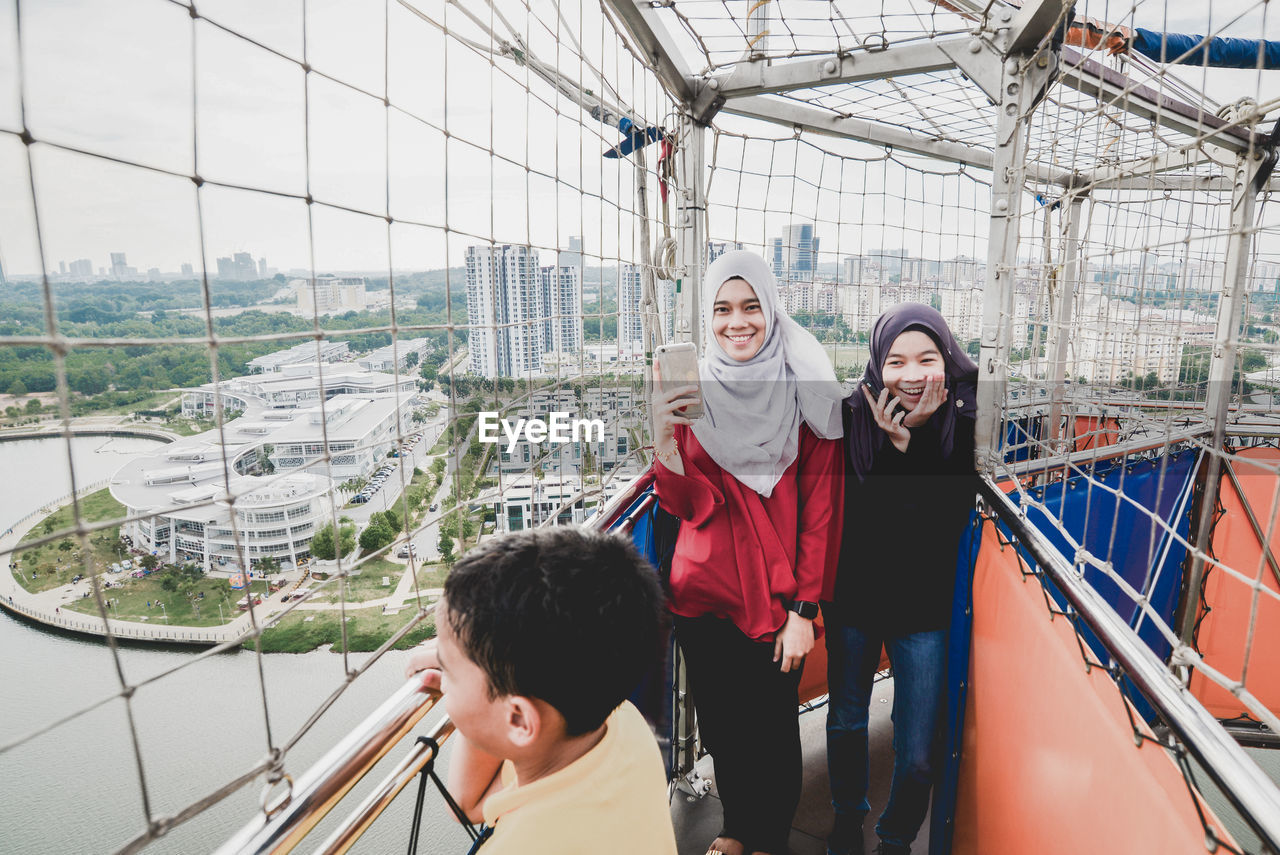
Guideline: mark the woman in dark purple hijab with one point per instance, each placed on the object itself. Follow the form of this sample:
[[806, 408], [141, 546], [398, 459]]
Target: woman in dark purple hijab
[[909, 485]]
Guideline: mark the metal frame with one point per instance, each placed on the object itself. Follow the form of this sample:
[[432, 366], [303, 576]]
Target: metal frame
[[1222, 367], [645, 28], [1246, 786]]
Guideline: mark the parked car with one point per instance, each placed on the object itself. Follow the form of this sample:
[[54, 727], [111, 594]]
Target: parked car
[[435, 506], [359, 499]]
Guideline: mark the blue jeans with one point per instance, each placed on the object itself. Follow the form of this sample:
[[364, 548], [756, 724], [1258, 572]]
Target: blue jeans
[[919, 663]]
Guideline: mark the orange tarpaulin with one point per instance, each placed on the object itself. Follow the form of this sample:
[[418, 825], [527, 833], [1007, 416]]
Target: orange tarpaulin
[[1050, 765], [1095, 432], [1224, 631]]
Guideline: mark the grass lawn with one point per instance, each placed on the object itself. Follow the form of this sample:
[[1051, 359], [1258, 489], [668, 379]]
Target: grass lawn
[[364, 583], [188, 427], [367, 629], [55, 565], [154, 401], [183, 607], [853, 356]]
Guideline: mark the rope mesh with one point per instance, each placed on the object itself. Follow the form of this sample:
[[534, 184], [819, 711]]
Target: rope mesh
[[386, 139]]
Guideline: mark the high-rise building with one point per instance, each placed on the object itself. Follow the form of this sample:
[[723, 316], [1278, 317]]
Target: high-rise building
[[630, 294], [795, 254], [327, 295], [187, 270], [561, 287], [246, 268], [630, 289], [81, 268], [62, 268], [119, 266], [262, 268], [717, 248], [505, 311]]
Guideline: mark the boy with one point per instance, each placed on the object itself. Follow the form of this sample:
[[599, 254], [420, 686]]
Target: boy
[[541, 636]]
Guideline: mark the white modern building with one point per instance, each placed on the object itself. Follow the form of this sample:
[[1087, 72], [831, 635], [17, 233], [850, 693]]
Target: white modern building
[[292, 386], [403, 355], [184, 494], [357, 431], [562, 301], [307, 352]]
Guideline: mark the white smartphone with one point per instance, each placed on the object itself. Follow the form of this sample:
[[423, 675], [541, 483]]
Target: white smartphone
[[678, 365]]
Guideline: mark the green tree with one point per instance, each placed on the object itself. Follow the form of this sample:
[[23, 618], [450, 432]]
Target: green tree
[[375, 536], [17, 388], [323, 545], [33, 406]]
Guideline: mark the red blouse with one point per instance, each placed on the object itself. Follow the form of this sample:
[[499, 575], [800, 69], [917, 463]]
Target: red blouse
[[740, 555]]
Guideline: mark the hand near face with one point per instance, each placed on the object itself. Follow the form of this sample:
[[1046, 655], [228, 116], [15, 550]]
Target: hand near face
[[883, 410], [425, 661], [935, 394]]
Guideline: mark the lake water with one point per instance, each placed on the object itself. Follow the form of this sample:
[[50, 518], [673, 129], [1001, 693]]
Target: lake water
[[76, 788]]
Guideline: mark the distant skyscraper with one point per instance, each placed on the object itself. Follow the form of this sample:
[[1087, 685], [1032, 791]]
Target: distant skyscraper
[[561, 287], [262, 268], [119, 266], [630, 289], [245, 267], [505, 311], [187, 270], [62, 268], [715, 249], [795, 254], [82, 268], [630, 293], [226, 268]]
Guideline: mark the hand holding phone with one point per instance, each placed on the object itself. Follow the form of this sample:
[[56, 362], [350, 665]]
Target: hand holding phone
[[677, 366]]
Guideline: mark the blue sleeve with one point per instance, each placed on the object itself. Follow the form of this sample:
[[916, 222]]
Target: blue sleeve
[[1223, 52]]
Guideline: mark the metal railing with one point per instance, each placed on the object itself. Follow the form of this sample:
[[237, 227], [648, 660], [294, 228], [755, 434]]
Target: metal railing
[[282, 825]]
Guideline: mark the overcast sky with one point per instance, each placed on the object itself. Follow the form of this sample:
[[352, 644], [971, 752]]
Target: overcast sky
[[117, 79]]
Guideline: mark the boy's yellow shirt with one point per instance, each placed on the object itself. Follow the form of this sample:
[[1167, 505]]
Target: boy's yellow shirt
[[613, 798]]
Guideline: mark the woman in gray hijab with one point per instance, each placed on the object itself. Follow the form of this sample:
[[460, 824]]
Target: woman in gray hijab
[[757, 485]]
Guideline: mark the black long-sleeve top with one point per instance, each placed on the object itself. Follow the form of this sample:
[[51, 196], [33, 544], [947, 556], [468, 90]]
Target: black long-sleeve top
[[902, 528]]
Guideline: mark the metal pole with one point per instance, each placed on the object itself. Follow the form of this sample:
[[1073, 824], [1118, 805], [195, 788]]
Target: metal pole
[[691, 213], [1060, 328], [1008, 174], [1221, 368]]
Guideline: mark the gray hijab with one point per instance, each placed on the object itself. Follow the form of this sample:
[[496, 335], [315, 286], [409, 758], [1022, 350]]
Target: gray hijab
[[754, 408]]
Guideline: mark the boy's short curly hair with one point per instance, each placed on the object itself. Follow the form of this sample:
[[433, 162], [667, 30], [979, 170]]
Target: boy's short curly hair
[[566, 615]]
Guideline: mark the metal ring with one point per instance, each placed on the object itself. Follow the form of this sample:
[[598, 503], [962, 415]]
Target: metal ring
[[270, 810]]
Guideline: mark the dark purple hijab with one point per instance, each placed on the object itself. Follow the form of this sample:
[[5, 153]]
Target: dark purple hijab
[[864, 437]]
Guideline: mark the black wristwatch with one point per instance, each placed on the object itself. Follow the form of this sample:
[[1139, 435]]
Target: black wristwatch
[[806, 609]]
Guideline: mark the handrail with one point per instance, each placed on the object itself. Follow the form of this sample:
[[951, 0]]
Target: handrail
[[1248, 788], [359, 820], [280, 827]]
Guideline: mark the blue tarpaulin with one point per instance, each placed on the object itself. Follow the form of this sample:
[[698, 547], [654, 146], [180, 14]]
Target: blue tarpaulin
[[1215, 52], [1117, 530]]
